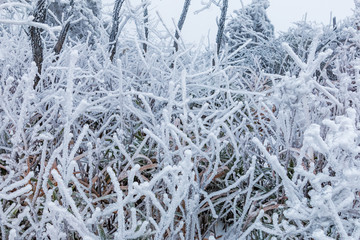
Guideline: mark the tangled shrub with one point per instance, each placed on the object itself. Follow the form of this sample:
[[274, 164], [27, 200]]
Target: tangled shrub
[[159, 144]]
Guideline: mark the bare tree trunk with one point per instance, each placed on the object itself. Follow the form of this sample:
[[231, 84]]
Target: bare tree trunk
[[35, 37], [221, 27], [115, 27], [146, 28], [181, 23]]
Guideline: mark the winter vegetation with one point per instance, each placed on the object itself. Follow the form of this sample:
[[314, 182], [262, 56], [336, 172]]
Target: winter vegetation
[[114, 127]]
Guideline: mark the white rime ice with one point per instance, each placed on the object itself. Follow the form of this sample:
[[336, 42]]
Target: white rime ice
[[125, 137]]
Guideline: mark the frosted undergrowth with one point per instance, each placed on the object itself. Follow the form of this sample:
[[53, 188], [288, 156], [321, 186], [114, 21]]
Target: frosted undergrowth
[[176, 145]]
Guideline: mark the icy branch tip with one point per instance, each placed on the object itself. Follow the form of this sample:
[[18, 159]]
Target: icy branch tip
[[188, 153]]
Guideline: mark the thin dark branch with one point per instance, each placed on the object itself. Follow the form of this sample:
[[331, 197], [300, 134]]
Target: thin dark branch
[[115, 28], [221, 27], [35, 37], [181, 23], [146, 28], [61, 40]]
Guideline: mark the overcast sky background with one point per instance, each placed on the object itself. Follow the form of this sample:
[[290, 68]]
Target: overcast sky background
[[282, 14]]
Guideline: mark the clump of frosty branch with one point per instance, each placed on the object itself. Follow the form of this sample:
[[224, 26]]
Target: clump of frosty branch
[[164, 145]]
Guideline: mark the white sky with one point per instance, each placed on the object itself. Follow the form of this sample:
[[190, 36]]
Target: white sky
[[282, 14]]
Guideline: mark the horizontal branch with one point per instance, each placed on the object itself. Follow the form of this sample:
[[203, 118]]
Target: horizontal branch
[[46, 27], [14, 4]]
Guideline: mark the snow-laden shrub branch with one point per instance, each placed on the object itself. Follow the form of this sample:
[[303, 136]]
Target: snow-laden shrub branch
[[177, 145]]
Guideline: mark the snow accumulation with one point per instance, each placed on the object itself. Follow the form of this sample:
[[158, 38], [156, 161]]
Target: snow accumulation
[[110, 135]]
